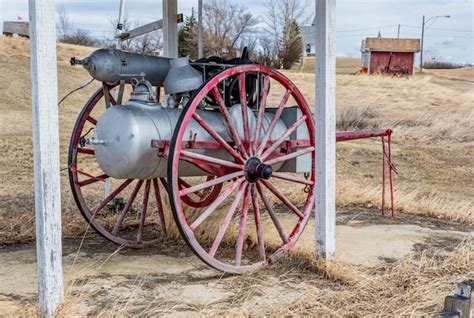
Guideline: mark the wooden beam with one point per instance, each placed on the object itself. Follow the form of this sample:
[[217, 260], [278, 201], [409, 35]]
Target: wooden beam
[[46, 154], [325, 119], [147, 28], [170, 28]]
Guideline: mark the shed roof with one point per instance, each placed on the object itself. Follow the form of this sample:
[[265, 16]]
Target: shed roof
[[390, 45]]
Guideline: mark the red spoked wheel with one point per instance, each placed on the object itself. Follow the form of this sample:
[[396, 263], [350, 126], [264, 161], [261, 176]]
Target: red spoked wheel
[[262, 210], [127, 212]]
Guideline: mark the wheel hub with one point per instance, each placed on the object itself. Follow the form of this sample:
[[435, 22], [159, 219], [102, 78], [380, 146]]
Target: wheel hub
[[255, 170]]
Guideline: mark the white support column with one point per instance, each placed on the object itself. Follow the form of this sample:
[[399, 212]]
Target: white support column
[[170, 28], [46, 154], [325, 120]]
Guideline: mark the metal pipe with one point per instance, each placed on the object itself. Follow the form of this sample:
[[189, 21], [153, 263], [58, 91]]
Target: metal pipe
[[120, 22], [352, 135], [200, 27]]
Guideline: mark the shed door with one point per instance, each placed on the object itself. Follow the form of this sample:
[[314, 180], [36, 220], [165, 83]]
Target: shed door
[[398, 62]]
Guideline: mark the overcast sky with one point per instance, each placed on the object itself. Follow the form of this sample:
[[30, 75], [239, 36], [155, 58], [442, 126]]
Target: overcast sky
[[452, 39]]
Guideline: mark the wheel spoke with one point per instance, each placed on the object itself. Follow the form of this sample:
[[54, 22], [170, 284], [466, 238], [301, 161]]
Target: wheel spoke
[[156, 187], [274, 121], [287, 177], [282, 198], [211, 208], [127, 207], [192, 189], [217, 137], [93, 179], [258, 225], [243, 223], [112, 195], [141, 226], [221, 162], [227, 219], [206, 167], [245, 117], [290, 156], [92, 120], [228, 121], [282, 138], [272, 213], [261, 112], [86, 151]]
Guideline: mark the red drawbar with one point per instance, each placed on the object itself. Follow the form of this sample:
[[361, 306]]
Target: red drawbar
[[386, 157]]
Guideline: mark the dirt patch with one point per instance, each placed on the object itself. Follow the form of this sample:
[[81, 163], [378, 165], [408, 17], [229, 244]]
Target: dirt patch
[[356, 215]]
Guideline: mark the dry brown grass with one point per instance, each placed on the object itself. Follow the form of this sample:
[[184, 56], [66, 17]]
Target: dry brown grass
[[412, 286]]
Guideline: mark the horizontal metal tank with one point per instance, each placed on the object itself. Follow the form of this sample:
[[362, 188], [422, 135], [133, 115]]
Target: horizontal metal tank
[[110, 66], [123, 138]]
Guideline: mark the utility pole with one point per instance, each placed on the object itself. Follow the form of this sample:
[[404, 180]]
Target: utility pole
[[398, 33], [422, 42], [200, 44], [423, 24]]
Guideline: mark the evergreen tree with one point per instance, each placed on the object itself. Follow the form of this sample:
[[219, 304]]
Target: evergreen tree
[[187, 37], [291, 45]]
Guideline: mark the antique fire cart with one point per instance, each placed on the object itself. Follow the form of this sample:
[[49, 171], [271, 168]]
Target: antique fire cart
[[233, 145]]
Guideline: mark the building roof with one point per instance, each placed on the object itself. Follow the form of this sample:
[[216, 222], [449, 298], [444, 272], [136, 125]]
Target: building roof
[[390, 45]]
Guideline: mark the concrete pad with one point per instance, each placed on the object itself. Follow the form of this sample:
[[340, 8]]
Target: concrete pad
[[371, 244]]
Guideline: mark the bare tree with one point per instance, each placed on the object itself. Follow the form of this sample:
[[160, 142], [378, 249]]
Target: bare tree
[[80, 37], [267, 55], [282, 19], [225, 24], [148, 44], [64, 25]]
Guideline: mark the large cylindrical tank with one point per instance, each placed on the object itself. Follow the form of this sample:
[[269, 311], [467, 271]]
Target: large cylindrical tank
[[123, 135], [110, 66]]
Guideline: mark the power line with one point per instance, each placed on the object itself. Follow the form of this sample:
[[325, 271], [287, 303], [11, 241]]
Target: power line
[[373, 28], [438, 29]]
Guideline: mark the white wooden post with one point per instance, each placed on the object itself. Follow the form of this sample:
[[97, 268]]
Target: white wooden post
[[325, 120], [170, 28], [46, 154]]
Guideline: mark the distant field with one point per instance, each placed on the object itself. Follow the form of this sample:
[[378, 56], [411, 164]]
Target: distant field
[[464, 74], [344, 65]]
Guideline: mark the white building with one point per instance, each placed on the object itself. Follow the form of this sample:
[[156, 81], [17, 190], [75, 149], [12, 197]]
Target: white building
[[308, 36]]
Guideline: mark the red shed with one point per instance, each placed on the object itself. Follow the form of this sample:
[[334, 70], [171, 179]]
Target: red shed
[[392, 56]]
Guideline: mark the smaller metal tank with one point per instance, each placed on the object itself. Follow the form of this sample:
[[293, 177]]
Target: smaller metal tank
[[182, 77]]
